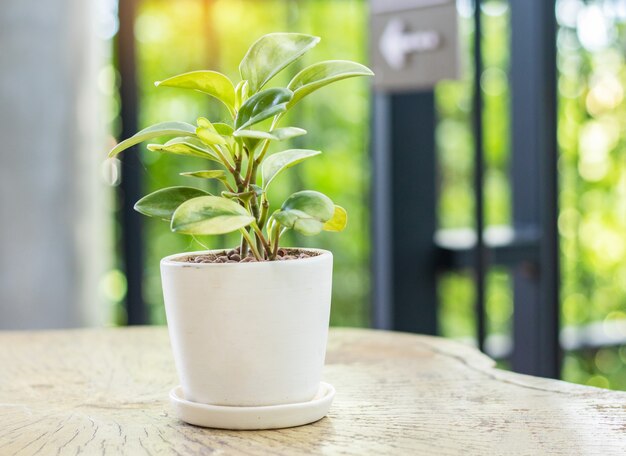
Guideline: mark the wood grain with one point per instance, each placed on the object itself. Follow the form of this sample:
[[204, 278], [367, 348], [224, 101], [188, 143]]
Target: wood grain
[[105, 392]]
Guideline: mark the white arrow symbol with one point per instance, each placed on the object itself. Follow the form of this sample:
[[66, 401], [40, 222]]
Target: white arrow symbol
[[396, 45]]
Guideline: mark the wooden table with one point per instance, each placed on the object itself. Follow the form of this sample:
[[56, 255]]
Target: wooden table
[[106, 392]]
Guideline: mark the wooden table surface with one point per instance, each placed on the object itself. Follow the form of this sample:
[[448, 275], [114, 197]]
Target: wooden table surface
[[106, 392]]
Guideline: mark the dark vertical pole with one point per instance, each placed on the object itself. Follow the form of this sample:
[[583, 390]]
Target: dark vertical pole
[[130, 187], [480, 259], [403, 199], [535, 186], [381, 212]]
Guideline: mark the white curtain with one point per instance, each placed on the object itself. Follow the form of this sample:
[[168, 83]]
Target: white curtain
[[54, 228]]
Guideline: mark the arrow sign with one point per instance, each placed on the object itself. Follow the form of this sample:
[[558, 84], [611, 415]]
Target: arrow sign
[[396, 44]]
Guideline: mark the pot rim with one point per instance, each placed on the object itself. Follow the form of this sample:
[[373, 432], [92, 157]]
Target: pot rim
[[170, 260]]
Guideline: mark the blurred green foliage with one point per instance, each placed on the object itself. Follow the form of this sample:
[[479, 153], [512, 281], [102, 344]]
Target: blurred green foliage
[[592, 173], [592, 166], [174, 37]]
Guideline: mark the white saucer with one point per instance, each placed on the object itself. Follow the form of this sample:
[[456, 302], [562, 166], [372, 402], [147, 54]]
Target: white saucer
[[264, 417]]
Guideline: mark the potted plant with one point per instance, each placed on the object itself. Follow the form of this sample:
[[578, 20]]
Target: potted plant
[[248, 325]]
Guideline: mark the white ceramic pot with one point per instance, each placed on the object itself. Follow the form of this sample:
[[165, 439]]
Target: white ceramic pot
[[248, 334]]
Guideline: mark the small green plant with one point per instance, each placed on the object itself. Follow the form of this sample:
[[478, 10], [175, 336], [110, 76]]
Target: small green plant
[[240, 147]]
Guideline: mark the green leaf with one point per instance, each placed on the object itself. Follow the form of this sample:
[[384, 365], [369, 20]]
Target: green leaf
[[278, 162], [252, 138], [280, 134], [218, 174], [208, 133], [210, 215], [270, 54], [256, 189], [209, 136], [210, 82], [321, 74], [261, 106], [164, 202], [154, 131], [339, 220], [241, 93], [305, 212], [223, 129], [203, 122], [245, 197], [187, 145], [207, 174]]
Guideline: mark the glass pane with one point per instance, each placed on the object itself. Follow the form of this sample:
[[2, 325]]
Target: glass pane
[[455, 151]]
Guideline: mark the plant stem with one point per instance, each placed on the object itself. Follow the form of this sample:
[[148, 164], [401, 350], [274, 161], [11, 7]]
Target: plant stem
[[259, 246], [228, 186], [260, 216], [238, 163], [265, 205], [248, 180], [254, 207], [264, 244], [255, 165], [238, 160], [225, 161], [255, 252], [243, 247], [258, 160], [275, 238], [266, 144]]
